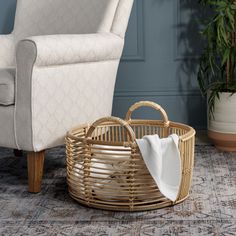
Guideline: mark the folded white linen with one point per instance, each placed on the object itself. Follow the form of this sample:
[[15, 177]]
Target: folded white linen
[[162, 158]]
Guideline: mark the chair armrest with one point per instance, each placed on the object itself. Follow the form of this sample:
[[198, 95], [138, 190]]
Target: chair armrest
[[53, 50], [63, 81], [7, 51]]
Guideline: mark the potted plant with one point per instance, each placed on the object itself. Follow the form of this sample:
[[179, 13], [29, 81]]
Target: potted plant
[[217, 72]]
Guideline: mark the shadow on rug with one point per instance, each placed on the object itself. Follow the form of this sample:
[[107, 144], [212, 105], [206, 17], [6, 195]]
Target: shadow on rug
[[210, 209]]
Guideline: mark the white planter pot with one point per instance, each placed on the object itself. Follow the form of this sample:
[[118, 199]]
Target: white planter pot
[[222, 127]]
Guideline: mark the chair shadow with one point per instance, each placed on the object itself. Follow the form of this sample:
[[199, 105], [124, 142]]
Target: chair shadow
[[13, 173]]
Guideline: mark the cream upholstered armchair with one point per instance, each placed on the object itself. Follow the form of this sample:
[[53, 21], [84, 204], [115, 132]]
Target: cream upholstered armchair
[[57, 70]]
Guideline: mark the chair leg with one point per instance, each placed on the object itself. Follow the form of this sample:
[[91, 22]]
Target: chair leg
[[18, 153], [35, 170]]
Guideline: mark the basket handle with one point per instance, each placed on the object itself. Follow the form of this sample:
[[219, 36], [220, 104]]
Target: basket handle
[[148, 104], [114, 120]]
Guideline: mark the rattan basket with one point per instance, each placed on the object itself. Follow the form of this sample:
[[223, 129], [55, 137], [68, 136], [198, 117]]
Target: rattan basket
[[105, 168]]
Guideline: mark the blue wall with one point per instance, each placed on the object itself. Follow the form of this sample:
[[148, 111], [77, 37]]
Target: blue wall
[[159, 61]]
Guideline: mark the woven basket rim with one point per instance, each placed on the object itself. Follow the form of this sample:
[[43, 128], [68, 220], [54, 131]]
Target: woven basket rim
[[189, 134]]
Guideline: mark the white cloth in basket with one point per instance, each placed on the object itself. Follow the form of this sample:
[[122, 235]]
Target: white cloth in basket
[[107, 170], [162, 158]]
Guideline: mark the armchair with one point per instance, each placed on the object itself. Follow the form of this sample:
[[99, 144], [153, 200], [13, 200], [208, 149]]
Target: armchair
[[57, 69]]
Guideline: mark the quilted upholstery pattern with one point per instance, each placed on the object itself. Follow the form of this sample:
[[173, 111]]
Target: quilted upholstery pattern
[[46, 17], [58, 106], [65, 96], [70, 49], [121, 20], [7, 87], [60, 97], [67, 57]]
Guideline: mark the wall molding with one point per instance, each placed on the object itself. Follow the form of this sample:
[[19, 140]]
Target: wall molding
[[139, 56], [156, 93]]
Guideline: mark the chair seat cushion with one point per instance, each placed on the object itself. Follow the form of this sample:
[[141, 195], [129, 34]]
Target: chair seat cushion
[[7, 87]]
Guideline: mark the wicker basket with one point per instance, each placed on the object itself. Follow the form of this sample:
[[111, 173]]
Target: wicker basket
[[105, 168]]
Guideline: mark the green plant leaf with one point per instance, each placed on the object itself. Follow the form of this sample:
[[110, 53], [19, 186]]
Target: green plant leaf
[[219, 34]]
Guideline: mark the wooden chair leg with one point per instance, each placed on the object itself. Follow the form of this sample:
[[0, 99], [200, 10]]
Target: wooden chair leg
[[18, 153], [35, 170]]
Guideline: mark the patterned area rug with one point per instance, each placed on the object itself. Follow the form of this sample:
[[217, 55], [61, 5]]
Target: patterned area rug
[[210, 209]]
